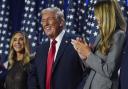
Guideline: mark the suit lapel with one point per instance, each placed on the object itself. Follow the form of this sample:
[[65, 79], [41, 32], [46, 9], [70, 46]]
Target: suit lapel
[[43, 59], [62, 47]]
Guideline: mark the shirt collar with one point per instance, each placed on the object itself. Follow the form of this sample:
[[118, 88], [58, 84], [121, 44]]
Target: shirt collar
[[59, 37]]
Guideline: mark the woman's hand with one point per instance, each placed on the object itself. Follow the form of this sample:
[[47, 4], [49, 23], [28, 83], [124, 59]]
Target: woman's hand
[[81, 47]]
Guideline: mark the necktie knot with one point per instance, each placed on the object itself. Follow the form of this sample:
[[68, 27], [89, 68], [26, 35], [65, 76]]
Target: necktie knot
[[54, 42]]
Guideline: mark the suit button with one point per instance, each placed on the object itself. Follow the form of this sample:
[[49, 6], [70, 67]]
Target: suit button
[[124, 52]]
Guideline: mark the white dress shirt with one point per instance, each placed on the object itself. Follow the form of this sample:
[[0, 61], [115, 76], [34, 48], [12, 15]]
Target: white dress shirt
[[58, 39]]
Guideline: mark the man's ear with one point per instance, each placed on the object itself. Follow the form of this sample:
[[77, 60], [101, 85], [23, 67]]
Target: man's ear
[[61, 23]]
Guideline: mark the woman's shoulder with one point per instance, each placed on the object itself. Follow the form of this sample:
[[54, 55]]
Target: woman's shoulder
[[28, 65], [118, 37], [119, 33]]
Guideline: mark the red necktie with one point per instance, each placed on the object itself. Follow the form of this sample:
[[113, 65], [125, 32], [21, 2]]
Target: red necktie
[[50, 61]]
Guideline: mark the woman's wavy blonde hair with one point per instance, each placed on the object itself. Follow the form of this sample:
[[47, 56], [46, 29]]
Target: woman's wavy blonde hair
[[12, 54], [110, 16]]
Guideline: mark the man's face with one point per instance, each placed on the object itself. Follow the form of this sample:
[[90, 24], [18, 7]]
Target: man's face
[[50, 24]]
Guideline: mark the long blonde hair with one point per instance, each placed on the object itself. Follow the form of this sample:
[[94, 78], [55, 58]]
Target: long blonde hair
[[12, 54], [107, 12]]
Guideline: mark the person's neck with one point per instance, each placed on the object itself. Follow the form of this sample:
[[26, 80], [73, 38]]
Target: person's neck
[[20, 56]]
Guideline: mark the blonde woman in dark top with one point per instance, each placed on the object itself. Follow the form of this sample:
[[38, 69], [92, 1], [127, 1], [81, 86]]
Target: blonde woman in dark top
[[18, 62]]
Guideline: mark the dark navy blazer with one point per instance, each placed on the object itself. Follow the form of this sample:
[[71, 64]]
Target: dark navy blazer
[[3, 73], [67, 70], [124, 66]]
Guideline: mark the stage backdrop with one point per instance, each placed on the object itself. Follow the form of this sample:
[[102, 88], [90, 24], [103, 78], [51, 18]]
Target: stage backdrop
[[24, 15]]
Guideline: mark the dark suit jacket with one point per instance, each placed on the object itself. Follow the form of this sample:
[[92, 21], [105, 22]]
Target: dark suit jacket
[[67, 71], [124, 66], [3, 73]]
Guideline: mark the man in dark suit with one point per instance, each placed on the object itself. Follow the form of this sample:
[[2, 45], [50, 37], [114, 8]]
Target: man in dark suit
[[66, 70], [3, 72], [124, 66]]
